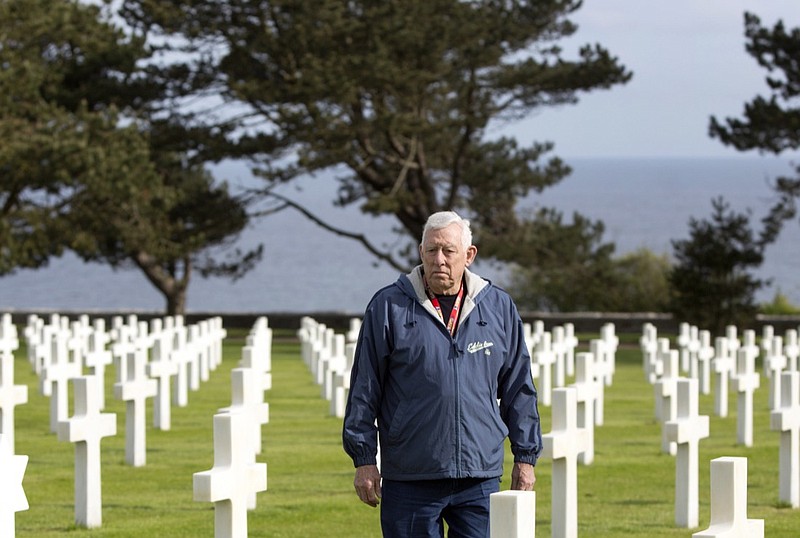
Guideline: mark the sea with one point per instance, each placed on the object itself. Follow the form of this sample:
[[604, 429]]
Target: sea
[[644, 203]]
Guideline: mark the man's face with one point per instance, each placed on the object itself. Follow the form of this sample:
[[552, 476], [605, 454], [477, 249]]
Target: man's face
[[444, 259]]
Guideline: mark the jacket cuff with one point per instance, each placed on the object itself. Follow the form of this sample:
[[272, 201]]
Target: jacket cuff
[[526, 458], [359, 462]]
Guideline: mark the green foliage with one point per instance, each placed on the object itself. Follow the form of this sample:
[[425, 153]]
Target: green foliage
[[90, 160], [779, 306], [710, 282], [770, 124], [635, 282], [627, 492], [400, 96]]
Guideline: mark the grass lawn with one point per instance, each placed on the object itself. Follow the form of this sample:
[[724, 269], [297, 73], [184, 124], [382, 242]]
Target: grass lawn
[[627, 491]]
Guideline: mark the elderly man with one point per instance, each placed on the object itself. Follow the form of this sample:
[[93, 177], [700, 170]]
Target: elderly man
[[442, 376]]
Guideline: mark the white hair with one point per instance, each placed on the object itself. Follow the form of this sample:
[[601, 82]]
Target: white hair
[[443, 219]]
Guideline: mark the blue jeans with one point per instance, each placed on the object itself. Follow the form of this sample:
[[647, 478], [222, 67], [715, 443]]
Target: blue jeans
[[419, 509]]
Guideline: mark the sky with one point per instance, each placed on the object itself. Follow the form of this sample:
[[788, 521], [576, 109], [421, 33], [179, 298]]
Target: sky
[[688, 63]]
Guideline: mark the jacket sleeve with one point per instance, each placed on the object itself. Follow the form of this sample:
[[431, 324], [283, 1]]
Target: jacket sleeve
[[359, 432], [517, 394]]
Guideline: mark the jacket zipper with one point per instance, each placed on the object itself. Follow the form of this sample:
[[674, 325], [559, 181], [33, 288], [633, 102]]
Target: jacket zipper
[[457, 393]]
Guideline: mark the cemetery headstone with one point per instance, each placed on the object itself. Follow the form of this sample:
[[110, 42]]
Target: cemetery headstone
[[729, 502], [686, 431], [134, 391], [791, 349], [562, 445], [86, 428], [11, 395], [233, 478], [57, 374], [98, 357], [512, 514], [745, 383], [12, 494], [545, 358], [667, 389], [587, 390], [786, 420], [723, 366], [774, 363], [162, 369]]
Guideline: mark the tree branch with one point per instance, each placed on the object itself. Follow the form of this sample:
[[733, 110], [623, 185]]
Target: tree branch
[[375, 251]]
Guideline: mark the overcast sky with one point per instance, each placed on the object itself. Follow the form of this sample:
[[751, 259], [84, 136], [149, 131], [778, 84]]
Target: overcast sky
[[688, 62]]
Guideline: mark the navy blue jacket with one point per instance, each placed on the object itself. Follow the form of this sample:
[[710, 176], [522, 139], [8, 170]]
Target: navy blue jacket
[[443, 406]]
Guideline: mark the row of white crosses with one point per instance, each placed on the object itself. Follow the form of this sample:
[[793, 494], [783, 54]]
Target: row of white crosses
[[145, 356], [571, 441], [330, 357], [553, 357], [12, 466], [235, 479], [576, 409], [684, 427]]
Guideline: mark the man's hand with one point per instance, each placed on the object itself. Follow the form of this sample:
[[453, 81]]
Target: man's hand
[[368, 484], [523, 477]]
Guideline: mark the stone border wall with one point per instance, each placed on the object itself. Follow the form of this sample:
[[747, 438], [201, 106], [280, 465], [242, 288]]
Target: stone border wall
[[340, 321]]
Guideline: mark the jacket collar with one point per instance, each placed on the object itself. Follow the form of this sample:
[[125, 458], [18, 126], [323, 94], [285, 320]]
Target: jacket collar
[[475, 284]]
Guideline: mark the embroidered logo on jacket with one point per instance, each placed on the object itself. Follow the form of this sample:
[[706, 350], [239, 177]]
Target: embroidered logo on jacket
[[474, 347]]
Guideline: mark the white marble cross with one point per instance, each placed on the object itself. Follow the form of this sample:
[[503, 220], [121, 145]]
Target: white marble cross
[[98, 357], [134, 391], [648, 343], [34, 334], [687, 430], [562, 445], [78, 340], [336, 363], [786, 419], [259, 363], [86, 428], [12, 494], [11, 395], [723, 366], [694, 348], [353, 330], [704, 355], [559, 345], [512, 514], [57, 374], [9, 339], [545, 358], [203, 347], [232, 480], [123, 348], [608, 335], [732, 345], [774, 363], [180, 355], [218, 335], [745, 383], [601, 368], [729, 502], [666, 390], [683, 339], [260, 340], [767, 334], [532, 335], [791, 349], [247, 399], [587, 390], [571, 344], [162, 369], [341, 382]]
